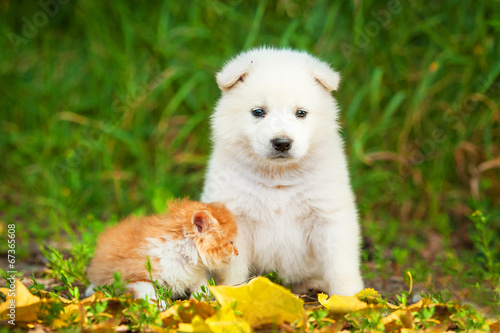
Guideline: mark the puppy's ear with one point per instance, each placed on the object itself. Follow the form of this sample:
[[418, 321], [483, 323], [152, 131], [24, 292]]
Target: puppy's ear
[[325, 75], [232, 73], [202, 220]]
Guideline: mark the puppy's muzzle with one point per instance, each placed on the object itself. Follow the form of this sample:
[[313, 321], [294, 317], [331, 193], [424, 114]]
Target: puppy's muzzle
[[282, 144]]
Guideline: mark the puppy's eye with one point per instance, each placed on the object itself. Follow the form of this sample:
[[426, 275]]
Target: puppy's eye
[[258, 113], [301, 114]]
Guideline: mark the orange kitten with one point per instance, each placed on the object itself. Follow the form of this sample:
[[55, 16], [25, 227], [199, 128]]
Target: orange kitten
[[182, 245]]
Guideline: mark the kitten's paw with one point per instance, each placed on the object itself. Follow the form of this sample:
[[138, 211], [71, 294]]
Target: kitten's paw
[[146, 290], [90, 290], [162, 305]]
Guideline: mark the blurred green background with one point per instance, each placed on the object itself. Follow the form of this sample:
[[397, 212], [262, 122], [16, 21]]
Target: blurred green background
[[105, 109]]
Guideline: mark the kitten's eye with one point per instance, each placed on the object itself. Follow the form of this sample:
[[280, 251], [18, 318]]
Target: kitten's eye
[[301, 113], [258, 113]]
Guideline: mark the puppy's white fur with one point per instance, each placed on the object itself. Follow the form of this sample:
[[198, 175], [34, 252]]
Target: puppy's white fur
[[295, 209]]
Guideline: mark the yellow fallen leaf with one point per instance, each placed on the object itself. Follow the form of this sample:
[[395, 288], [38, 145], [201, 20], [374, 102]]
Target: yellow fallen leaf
[[342, 304], [26, 305], [185, 311], [369, 295], [107, 326], [403, 317], [400, 318], [261, 302], [96, 297], [420, 304], [494, 325], [197, 325], [226, 320], [29, 308], [392, 306], [73, 310]]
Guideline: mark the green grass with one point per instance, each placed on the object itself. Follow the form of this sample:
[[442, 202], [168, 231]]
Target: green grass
[[105, 109]]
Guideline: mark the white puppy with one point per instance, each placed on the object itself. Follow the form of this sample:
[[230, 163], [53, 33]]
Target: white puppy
[[278, 164]]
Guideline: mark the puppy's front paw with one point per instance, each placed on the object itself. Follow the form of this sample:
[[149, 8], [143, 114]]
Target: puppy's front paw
[[90, 290], [348, 286], [310, 288]]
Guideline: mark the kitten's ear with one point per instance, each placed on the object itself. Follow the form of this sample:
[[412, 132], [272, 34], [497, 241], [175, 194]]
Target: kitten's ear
[[202, 220]]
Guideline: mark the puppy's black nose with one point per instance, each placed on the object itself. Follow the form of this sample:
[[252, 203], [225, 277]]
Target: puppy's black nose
[[282, 144]]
